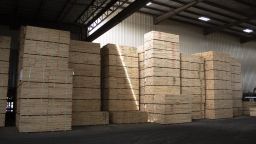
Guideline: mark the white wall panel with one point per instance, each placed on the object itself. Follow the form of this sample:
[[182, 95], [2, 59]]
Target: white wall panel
[[130, 32]]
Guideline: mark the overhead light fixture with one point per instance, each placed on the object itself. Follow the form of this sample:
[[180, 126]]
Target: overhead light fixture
[[248, 30], [204, 18], [148, 4]]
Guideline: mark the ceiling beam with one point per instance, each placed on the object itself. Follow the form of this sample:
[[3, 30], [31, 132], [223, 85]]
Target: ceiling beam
[[228, 25], [129, 10], [38, 11], [171, 13], [65, 9], [107, 7], [246, 40]]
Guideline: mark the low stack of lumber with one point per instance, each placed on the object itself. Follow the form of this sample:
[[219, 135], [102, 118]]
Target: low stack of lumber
[[120, 84], [236, 85], [160, 80], [193, 83], [253, 111], [246, 107], [44, 95], [5, 44], [84, 59], [219, 103]]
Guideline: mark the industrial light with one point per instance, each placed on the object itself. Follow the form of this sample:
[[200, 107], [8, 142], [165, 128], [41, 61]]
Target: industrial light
[[204, 18], [149, 3], [248, 30]]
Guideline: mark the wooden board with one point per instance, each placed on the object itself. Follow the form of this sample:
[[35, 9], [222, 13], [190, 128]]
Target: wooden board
[[84, 58], [164, 45], [39, 61], [161, 72], [156, 35], [119, 71], [44, 106], [218, 113], [158, 62], [44, 90], [161, 54], [119, 50], [219, 94], [90, 118], [175, 90], [217, 75], [218, 85], [115, 60], [86, 105], [2, 120], [86, 82], [46, 75], [43, 123], [219, 104], [170, 119], [120, 94], [45, 34], [86, 93], [4, 67], [3, 80], [168, 109], [84, 47], [161, 81], [3, 92], [3, 104], [5, 42], [85, 69], [128, 117], [33, 47], [120, 105], [4, 54], [122, 83]]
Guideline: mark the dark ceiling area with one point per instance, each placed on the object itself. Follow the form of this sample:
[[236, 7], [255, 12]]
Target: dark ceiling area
[[228, 16]]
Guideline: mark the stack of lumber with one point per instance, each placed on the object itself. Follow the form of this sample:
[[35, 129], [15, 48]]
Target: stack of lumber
[[219, 103], [84, 59], [160, 80], [193, 83], [246, 107], [253, 111], [120, 84], [236, 85], [5, 44], [44, 95]]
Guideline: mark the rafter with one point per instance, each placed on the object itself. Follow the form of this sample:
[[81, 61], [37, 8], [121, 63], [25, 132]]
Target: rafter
[[171, 13]]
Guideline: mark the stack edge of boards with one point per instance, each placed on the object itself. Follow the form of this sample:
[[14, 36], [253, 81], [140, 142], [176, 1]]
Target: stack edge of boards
[[44, 95], [193, 83], [236, 86], [219, 100], [5, 45], [120, 84], [160, 80], [84, 59]]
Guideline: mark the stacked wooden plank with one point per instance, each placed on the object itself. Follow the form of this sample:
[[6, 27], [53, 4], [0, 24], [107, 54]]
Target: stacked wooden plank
[[5, 44], [120, 84], [246, 107], [219, 103], [193, 83], [84, 59], [44, 95], [236, 85], [253, 111], [160, 80]]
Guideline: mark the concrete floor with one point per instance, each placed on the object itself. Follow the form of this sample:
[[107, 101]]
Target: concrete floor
[[226, 131]]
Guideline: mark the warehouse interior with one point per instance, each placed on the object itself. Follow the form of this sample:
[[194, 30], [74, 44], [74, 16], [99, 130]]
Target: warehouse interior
[[127, 71]]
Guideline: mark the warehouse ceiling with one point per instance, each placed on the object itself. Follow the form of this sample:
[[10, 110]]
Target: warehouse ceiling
[[229, 16]]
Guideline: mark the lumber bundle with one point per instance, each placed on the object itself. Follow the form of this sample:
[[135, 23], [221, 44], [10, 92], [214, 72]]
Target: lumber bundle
[[193, 83], [5, 45], [219, 103], [120, 84], [84, 59], [246, 107], [236, 86], [44, 95], [253, 111], [160, 88]]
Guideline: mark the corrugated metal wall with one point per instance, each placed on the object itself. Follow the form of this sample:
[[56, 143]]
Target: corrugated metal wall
[[130, 32]]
